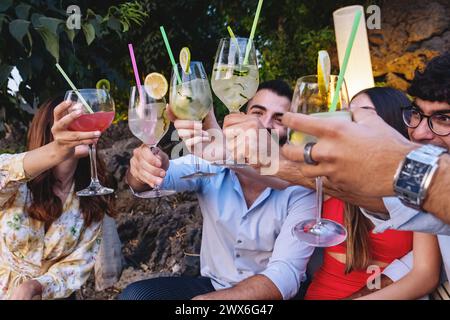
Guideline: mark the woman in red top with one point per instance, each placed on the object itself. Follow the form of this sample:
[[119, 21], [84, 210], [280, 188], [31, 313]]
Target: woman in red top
[[344, 272]]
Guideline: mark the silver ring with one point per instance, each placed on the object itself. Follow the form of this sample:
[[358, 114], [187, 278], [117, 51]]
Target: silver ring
[[307, 154]]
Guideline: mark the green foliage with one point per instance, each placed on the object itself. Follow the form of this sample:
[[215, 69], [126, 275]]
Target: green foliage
[[288, 37], [35, 36], [127, 14]]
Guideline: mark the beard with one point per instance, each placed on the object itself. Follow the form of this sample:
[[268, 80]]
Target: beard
[[281, 139]]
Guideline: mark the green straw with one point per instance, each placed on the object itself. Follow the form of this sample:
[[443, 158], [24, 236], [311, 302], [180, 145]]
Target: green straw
[[169, 51], [74, 88], [348, 51], [252, 33], [231, 33]]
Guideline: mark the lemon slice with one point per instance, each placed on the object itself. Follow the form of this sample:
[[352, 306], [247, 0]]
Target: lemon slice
[[185, 59], [103, 84], [323, 73], [156, 85], [296, 138]]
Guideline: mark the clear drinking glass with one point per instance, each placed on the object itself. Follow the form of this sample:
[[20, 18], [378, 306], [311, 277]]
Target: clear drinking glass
[[102, 105], [148, 121], [309, 98], [235, 77], [191, 99]]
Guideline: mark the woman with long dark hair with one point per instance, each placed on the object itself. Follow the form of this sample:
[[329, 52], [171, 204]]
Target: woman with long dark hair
[[344, 272], [48, 237]]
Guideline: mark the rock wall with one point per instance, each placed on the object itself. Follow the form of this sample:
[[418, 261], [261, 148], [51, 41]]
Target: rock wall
[[160, 237], [412, 32]]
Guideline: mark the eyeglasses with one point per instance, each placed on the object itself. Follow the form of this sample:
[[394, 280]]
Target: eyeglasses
[[438, 122]]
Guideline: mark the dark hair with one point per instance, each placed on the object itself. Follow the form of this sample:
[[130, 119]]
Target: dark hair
[[278, 87], [45, 205], [433, 84], [388, 103]]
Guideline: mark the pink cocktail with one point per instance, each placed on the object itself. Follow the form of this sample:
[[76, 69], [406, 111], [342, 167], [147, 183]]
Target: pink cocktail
[[99, 121], [99, 110]]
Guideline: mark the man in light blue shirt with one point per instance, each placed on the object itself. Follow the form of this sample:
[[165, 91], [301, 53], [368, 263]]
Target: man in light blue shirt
[[248, 249]]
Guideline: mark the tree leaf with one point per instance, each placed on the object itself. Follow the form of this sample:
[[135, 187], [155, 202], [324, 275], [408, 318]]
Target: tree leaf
[[24, 68], [89, 32], [125, 26], [30, 40], [51, 23], [2, 18], [35, 20], [23, 10], [114, 24], [51, 41], [27, 108], [5, 71], [90, 12], [96, 23], [18, 29], [5, 4]]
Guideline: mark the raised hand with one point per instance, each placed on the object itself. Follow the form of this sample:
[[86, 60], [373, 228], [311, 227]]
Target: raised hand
[[147, 168]]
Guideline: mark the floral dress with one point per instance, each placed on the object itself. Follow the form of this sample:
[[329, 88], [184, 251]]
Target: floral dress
[[61, 258]]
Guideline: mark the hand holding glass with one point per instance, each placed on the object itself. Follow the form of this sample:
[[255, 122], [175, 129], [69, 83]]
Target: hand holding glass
[[102, 104], [148, 122], [310, 98], [234, 80], [191, 99]]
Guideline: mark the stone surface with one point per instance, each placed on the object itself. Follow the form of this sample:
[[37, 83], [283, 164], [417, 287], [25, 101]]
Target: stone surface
[[160, 237]]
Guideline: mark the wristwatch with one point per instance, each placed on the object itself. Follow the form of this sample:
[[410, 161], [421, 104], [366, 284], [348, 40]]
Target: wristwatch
[[415, 173]]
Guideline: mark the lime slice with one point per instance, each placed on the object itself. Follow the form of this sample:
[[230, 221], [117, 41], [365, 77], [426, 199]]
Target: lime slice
[[156, 85], [323, 73], [103, 84], [241, 71], [185, 59]]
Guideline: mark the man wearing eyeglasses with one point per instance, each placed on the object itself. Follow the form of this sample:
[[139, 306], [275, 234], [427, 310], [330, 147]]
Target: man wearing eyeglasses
[[428, 122], [436, 127]]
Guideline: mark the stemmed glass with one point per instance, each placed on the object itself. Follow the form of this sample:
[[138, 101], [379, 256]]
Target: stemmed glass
[[309, 98], [148, 121], [102, 105], [235, 76], [191, 99]]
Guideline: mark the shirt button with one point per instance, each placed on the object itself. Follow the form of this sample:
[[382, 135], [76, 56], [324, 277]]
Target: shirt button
[[238, 255], [239, 241], [241, 272]]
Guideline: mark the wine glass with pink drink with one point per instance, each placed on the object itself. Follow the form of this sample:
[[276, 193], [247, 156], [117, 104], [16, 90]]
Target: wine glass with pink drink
[[99, 118]]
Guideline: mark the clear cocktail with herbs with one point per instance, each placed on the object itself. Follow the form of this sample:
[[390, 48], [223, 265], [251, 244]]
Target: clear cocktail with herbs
[[235, 76]]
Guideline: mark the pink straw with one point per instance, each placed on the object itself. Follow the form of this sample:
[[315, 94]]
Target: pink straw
[[135, 69]]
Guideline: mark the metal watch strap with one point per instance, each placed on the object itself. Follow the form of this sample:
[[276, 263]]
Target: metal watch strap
[[427, 155], [432, 150]]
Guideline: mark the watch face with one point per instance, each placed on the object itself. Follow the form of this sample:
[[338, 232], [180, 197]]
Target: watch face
[[412, 176]]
